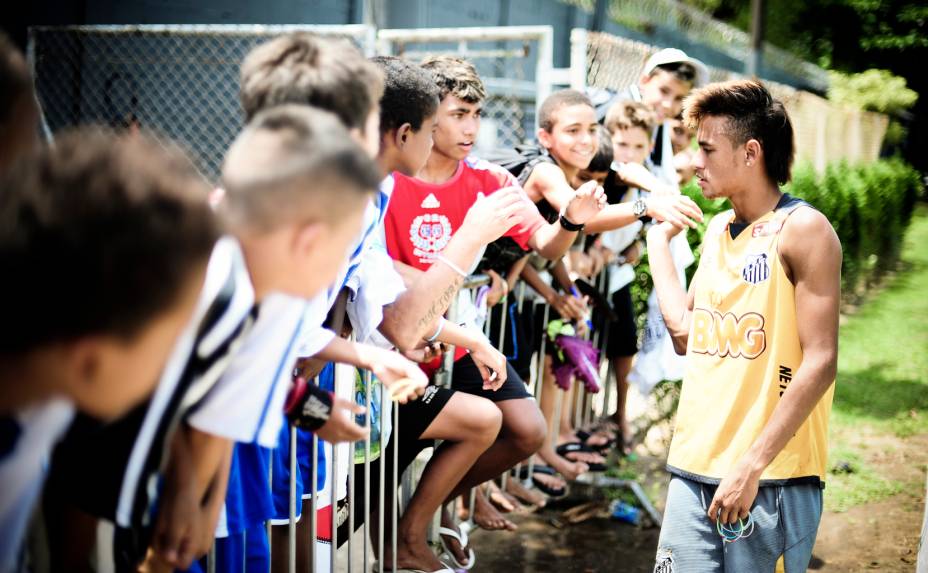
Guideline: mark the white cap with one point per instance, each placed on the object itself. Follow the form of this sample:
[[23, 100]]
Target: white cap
[[676, 56]]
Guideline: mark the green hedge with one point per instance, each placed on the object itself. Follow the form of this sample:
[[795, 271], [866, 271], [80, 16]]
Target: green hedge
[[870, 207]]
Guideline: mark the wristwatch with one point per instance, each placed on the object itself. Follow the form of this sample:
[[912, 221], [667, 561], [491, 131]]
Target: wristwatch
[[640, 208], [566, 223]]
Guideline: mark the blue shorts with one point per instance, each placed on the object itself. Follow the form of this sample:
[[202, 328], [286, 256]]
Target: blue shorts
[[280, 481], [785, 518], [243, 552], [248, 496]]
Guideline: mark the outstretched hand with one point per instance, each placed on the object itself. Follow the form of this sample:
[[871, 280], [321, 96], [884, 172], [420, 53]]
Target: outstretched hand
[[588, 200], [402, 376], [492, 215], [677, 210], [341, 425]]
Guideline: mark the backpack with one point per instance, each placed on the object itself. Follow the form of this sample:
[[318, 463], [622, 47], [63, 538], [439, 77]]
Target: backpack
[[519, 160]]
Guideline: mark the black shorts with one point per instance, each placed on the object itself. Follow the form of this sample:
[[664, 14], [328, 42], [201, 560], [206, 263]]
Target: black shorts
[[622, 333], [418, 415], [466, 378]]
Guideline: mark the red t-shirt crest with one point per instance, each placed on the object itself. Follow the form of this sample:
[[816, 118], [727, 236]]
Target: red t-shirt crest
[[422, 217]]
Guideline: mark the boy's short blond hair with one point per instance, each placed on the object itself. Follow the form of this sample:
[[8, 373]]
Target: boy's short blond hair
[[457, 77], [627, 114], [294, 163], [300, 68]]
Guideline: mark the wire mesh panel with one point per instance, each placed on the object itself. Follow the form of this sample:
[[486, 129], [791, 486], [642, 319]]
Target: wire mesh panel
[[824, 131], [676, 18], [181, 82]]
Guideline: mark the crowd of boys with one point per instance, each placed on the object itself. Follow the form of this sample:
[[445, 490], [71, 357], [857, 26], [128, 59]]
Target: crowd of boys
[[163, 338]]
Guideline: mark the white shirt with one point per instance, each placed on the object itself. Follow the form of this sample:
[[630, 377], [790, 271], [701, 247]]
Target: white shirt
[[30, 436], [247, 403]]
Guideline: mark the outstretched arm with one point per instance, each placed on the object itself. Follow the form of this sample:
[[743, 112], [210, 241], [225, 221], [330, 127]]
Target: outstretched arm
[[676, 304], [551, 241], [811, 252], [548, 181], [415, 313]]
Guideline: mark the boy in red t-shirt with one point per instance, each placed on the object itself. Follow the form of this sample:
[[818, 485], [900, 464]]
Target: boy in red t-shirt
[[424, 214]]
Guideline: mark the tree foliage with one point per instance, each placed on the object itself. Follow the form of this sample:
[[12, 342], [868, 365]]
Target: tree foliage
[[872, 90]]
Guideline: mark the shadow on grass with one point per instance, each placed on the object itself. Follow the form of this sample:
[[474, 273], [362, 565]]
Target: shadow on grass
[[874, 393]]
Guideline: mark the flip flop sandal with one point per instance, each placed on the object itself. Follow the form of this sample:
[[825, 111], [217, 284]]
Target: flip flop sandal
[[577, 447], [541, 486], [462, 539], [375, 568], [600, 448]]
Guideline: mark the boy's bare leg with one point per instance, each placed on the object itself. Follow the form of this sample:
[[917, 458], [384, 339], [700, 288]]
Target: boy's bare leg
[[280, 550], [473, 423], [522, 434], [622, 367]]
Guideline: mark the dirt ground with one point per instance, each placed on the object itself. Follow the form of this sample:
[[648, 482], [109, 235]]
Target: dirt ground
[[877, 536]]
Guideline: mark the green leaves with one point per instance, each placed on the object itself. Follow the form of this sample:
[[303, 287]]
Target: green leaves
[[872, 90]]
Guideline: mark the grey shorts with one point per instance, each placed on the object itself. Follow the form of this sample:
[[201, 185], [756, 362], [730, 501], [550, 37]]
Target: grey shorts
[[786, 521]]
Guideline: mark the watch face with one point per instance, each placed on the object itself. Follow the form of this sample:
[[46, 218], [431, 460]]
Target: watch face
[[640, 207]]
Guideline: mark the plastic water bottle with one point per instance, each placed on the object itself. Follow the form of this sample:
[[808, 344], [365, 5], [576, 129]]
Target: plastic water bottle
[[625, 512]]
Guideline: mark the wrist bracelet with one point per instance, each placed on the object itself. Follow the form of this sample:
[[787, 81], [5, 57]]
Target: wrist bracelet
[[451, 265], [441, 325], [566, 223]]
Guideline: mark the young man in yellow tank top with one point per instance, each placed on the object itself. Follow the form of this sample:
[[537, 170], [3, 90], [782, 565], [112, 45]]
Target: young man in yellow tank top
[[759, 328]]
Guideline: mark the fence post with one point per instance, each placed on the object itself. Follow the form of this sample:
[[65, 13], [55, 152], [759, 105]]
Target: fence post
[[578, 55]]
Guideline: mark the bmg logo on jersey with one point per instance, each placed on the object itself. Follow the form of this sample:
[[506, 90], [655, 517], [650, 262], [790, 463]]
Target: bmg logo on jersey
[[728, 335], [756, 270]]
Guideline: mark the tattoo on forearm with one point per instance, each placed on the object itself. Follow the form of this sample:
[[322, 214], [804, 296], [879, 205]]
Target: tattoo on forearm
[[440, 304]]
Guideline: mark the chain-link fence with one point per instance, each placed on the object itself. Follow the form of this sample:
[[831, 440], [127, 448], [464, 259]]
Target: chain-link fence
[[824, 131], [677, 18], [182, 82]]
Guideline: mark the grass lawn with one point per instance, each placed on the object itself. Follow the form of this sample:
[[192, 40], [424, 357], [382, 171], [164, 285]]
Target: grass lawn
[[881, 397]]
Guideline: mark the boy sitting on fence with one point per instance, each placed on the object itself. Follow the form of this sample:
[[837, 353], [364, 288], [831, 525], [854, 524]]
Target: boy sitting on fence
[[452, 192]]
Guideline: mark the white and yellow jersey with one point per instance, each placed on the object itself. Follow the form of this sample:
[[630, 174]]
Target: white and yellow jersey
[[742, 354]]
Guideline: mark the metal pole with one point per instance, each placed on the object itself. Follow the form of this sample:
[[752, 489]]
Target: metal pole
[[333, 476], [600, 12], [270, 487], [383, 459], [367, 469], [539, 384], [393, 511], [291, 524], [758, 24], [211, 559], [313, 500], [351, 498], [504, 317]]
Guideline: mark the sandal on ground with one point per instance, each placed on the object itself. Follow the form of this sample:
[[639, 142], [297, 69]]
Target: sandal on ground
[[375, 568], [462, 539]]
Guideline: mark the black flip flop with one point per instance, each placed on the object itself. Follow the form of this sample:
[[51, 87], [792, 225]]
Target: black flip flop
[[574, 447], [541, 486], [599, 448]]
